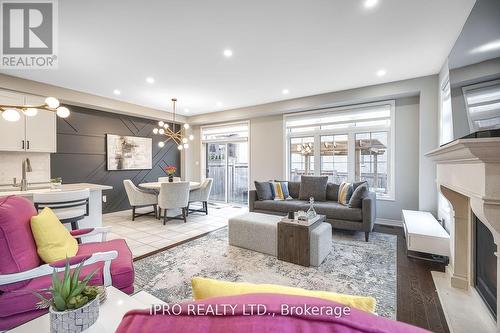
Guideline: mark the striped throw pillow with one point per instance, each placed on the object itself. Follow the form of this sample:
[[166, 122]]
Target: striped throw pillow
[[278, 191], [345, 193]]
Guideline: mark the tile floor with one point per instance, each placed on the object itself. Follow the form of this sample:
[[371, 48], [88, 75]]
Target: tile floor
[[147, 234]]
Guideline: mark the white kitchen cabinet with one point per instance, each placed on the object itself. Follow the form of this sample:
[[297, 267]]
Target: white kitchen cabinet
[[12, 133], [40, 129], [30, 134]]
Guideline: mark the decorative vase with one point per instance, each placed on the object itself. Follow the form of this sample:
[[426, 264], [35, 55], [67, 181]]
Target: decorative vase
[[77, 320], [311, 213], [170, 178]]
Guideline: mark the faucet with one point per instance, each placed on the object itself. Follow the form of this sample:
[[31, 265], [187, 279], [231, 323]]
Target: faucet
[[26, 168]]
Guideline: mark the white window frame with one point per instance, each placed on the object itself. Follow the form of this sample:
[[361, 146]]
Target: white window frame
[[350, 132], [465, 90]]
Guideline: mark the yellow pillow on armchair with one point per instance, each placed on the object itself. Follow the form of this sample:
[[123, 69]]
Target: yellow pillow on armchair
[[206, 288], [53, 240]]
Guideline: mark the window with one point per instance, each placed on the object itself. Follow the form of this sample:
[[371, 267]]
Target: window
[[334, 157], [348, 144], [371, 160], [483, 105], [301, 157]]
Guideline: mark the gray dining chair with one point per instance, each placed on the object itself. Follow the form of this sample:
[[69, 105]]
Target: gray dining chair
[[139, 197], [173, 196], [201, 194]]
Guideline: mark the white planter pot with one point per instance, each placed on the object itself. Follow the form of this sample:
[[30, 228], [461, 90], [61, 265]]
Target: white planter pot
[[74, 321]]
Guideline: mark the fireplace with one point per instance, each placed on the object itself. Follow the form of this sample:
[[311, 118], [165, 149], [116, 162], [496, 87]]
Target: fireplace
[[485, 265]]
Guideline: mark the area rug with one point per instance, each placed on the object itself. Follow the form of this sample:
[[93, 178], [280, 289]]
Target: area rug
[[353, 267]]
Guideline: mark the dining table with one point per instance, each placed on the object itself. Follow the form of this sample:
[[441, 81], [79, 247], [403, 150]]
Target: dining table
[[157, 185]]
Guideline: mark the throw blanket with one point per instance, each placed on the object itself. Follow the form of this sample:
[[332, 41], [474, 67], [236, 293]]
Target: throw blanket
[[260, 313]]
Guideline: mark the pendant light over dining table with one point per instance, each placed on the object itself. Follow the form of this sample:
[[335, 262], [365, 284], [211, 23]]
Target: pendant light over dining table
[[180, 137]]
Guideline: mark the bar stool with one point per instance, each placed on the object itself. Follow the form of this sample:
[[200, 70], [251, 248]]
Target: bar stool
[[69, 207]]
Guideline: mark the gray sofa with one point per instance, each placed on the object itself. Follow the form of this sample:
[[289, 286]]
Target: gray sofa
[[339, 216]]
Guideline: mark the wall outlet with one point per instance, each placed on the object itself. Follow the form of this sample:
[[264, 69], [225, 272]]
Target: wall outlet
[[104, 198]]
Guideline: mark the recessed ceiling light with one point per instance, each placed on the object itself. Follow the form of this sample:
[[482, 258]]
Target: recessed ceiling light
[[285, 91], [186, 110], [228, 53], [219, 104], [381, 72], [487, 47], [117, 92], [150, 80], [370, 3]]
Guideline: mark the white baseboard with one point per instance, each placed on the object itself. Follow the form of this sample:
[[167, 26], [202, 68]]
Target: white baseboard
[[388, 222]]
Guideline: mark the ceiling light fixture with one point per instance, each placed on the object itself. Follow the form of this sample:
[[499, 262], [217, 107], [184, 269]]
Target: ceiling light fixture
[[117, 92], [179, 137], [491, 46], [219, 104], [186, 110], [150, 80], [381, 72], [370, 3], [13, 112], [285, 91], [228, 53]]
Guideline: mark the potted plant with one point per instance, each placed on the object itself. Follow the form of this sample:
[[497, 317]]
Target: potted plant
[[56, 182], [170, 170], [73, 305]]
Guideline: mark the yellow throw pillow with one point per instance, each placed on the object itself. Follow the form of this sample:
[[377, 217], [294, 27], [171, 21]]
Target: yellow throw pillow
[[204, 288], [53, 240]]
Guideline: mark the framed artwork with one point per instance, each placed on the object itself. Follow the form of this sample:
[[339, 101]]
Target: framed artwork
[[128, 152]]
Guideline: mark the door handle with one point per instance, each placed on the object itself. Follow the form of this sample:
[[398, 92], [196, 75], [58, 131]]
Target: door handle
[[28, 144], [23, 144]]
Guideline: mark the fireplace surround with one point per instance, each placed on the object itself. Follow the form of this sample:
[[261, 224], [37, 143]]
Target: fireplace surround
[[468, 175]]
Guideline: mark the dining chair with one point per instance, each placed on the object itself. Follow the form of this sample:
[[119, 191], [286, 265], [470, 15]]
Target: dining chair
[[138, 197], [201, 194], [173, 196], [165, 179], [69, 207]]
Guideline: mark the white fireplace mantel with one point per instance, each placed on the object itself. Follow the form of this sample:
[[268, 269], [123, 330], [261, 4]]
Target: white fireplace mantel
[[468, 175]]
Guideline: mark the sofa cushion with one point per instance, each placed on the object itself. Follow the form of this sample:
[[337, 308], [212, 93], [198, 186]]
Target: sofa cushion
[[204, 288], [281, 206], [334, 210], [332, 192], [345, 193], [311, 186], [294, 189], [17, 247], [264, 190], [358, 195], [53, 240], [122, 272]]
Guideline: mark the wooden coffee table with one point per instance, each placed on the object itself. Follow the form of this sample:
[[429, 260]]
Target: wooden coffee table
[[294, 240]]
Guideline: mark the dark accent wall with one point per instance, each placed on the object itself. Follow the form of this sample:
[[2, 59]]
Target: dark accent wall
[[81, 152]]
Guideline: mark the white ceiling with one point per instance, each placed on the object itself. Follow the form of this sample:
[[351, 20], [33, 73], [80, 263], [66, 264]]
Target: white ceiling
[[308, 47]]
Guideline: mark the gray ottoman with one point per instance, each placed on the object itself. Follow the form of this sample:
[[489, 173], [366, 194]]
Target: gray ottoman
[[254, 231], [321, 243]]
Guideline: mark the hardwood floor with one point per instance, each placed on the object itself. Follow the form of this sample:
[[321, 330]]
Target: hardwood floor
[[417, 299]]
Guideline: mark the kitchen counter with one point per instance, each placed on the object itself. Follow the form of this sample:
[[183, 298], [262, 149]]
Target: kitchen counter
[[94, 219], [11, 190]]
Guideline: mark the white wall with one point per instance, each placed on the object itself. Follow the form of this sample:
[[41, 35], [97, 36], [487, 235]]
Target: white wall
[[426, 88], [266, 149]]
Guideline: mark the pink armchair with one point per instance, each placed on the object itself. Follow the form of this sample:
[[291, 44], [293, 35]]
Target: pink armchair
[[22, 271]]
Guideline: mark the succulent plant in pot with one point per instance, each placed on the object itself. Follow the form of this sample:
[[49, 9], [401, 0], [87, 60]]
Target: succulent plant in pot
[[73, 305]]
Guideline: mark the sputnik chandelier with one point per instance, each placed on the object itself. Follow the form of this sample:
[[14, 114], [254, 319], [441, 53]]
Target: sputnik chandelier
[[13, 112], [305, 149], [179, 137]]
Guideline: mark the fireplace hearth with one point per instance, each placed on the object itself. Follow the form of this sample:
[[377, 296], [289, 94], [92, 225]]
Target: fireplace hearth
[[485, 266]]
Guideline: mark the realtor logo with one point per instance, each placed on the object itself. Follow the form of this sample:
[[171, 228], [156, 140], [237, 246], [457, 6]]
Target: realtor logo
[[29, 34]]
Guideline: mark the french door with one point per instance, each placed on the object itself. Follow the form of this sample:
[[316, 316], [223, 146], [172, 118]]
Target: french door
[[227, 164]]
